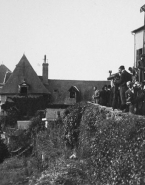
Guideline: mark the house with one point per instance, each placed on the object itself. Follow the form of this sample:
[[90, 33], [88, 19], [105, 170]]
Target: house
[[139, 38], [138, 43], [4, 75], [24, 81]]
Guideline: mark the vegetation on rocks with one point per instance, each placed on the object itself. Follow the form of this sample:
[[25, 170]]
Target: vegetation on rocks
[[109, 149]]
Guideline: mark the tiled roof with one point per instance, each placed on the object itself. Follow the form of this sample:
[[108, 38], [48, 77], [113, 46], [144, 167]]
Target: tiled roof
[[24, 71]]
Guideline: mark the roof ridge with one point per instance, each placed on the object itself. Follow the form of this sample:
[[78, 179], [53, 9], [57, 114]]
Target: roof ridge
[[24, 70]]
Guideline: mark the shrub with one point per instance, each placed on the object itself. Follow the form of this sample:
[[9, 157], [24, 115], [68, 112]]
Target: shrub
[[13, 171], [4, 153], [114, 149], [72, 125]]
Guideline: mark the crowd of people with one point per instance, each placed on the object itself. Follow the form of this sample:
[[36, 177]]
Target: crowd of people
[[126, 92]]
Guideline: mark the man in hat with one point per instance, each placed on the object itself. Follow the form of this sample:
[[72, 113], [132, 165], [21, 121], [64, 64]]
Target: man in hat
[[124, 78]]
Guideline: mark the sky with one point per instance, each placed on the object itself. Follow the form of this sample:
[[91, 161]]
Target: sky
[[82, 39]]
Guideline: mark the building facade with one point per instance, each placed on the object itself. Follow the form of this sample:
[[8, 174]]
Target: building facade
[[24, 81], [138, 43]]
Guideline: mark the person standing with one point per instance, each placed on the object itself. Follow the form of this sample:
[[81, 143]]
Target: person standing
[[96, 95], [130, 97], [115, 95], [124, 78], [140, 97], [141, 67], [109, 95], [103, 96]]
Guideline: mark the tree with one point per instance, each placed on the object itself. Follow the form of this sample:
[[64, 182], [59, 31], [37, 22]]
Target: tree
[[3, 150]]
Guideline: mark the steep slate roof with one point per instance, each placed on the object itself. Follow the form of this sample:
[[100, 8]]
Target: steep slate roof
[[24, 71], [3, 71], [7, 75]]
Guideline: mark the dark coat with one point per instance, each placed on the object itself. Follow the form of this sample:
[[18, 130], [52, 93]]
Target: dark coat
[[115, 97], [124, 77], [103, 98], [130, 96]]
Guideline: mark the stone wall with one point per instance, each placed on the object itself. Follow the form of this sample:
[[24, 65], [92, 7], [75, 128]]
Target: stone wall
[[117, 114]]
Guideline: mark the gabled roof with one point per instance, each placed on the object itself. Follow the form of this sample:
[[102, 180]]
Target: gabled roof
[[138, 29], [3, 72], [24, 72], [74, 88]]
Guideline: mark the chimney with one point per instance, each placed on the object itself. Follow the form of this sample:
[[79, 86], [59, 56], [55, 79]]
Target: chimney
[[45, 71]]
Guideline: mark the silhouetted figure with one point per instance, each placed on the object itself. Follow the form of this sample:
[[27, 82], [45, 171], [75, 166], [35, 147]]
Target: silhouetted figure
[[103, 96], [109, 95], [130, 97], [140, 97], [124, 78], [116, 102]]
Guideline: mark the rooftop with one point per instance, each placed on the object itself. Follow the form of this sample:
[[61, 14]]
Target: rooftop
[[138, 29]]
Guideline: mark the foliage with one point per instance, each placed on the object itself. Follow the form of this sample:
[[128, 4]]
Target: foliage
[[110, 148], [114, 148], [11, 118], [50, 142], [24, 138], [23, 108], [28, 105], [72, 124], [3, 151], [17, 170]]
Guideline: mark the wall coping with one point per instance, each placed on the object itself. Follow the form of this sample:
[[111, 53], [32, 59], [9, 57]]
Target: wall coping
[[115, 113]]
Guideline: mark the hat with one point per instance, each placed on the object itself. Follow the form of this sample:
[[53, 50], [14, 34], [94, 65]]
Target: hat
[[121, 67]]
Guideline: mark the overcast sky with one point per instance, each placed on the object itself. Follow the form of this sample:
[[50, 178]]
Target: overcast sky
[[83, 39]]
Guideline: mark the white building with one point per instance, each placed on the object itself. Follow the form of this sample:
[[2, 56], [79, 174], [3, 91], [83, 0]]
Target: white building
[[138, 43]]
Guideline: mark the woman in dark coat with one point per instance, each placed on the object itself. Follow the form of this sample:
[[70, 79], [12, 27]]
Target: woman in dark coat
[[103, 96]]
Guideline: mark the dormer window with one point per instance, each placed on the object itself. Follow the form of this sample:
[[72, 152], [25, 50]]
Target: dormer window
[[23, 88], [73, 92]]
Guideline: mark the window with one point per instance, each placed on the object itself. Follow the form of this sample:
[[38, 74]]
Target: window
[[138, 54], [23, 88], [72, 94]]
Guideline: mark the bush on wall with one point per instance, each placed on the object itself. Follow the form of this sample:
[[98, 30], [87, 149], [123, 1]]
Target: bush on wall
[[112, 149]]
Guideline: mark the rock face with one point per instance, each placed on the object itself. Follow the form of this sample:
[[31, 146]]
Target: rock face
[[109, 146]]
